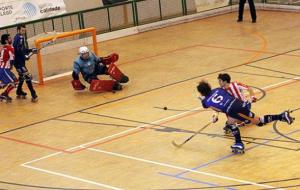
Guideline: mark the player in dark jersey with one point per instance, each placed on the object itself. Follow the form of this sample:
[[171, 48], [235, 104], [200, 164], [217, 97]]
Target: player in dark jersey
[[21, 56], [236, 110]]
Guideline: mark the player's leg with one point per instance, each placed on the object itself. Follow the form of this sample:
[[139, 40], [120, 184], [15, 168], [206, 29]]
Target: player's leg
[[28, 79], [97, 85], [20, 93], [238, 146], [104, 85], [252, 10], [284, 117], [8, 79], [241, 10], [113, 71], [117, 74], [260, 121]]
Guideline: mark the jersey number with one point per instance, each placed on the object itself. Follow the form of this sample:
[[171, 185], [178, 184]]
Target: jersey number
[[217, 98]]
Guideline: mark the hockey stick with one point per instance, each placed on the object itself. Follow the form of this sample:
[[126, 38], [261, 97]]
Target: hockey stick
[[43, 46], [188, 139]]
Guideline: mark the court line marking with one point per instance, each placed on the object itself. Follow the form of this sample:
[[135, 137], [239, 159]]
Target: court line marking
[[83, 146], [230, 155], [217, 186], [179, 168], [71, 177], [256, 55]]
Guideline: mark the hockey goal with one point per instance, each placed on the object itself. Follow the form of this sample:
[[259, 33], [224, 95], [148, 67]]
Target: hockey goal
[[57, 51]]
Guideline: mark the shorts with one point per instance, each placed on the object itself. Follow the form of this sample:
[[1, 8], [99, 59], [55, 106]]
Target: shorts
[[240, 109], [99, 70], [7, 77]]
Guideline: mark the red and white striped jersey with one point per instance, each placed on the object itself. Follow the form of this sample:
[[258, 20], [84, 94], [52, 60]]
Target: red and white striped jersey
[[6, 55], [236, 89]]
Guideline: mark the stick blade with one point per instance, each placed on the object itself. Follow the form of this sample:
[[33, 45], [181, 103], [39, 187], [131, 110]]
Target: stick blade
[[176, 145]]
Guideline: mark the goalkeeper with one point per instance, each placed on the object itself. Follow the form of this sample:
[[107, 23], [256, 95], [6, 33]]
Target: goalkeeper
[[90, 66]]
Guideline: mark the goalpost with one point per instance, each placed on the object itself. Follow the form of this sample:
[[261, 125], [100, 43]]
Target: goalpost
[[44, 43]]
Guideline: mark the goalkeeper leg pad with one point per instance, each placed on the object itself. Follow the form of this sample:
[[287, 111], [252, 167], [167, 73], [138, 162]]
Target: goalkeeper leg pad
[[116, 74], [104, 85], [77, 85]]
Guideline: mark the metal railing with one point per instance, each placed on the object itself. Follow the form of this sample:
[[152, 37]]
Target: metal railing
[[119, 16]]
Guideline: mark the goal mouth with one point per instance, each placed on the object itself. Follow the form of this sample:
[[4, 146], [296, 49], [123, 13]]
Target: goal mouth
[[57, 52]]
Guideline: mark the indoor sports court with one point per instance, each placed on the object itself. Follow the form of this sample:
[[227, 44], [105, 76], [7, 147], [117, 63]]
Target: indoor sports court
[[81, 140]]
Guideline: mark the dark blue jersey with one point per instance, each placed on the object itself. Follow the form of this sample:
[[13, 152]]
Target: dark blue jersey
[[219, 99], [21, 49]]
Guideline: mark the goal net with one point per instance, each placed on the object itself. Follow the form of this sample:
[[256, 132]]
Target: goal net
[[57, 52]]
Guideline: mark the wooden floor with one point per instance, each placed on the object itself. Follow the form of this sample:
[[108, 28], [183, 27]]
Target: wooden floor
[[71, 140]]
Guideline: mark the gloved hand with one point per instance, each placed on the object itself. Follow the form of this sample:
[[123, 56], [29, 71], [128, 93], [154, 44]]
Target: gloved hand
[[253, 99], [77, 85], [215, 118], [34, 50], [27, 57]]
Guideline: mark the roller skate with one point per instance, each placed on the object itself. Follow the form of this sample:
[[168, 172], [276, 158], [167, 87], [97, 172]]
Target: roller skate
[[34, 98], [286, 117], [21, 95], [238, 148], [117, 86], [5, 98], [124, 79]]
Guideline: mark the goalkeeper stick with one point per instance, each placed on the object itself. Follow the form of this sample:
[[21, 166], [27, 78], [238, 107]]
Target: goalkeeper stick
[[188, 139]]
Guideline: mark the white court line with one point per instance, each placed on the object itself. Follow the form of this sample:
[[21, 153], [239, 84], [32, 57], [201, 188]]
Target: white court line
[[129, 130], [72, 177], [44, 157], [276, 84], [181, 168], [126, 131]]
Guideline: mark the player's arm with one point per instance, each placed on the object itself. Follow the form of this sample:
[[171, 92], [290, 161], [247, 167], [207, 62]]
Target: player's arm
[[77, 85], [250, 91], [11, 58], [216, 111], [112, 58], [18, 46]]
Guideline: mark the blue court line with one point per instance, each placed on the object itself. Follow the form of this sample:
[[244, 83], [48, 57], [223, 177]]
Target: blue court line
[[230, 155], [194, 180], [178, 175]]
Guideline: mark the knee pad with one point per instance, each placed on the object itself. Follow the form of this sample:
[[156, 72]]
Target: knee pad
[[27, 76], [234, 129]]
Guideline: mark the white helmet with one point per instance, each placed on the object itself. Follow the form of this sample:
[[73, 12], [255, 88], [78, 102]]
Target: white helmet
[[83, 50]]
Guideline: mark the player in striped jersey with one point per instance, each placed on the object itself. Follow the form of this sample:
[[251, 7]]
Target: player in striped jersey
[[7, 78], [236, 89], [236, 110]]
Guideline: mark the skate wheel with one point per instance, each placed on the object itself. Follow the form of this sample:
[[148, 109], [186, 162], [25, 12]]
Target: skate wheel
[[34, 100], [21, 97]]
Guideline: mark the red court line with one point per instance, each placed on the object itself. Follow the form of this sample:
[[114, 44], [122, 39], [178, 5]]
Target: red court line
[[258, 52], [113, 139], [207, 46], [175, 119], [34, 144]]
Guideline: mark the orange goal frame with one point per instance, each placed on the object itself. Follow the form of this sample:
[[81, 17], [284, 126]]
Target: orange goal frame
[[38, 45]]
